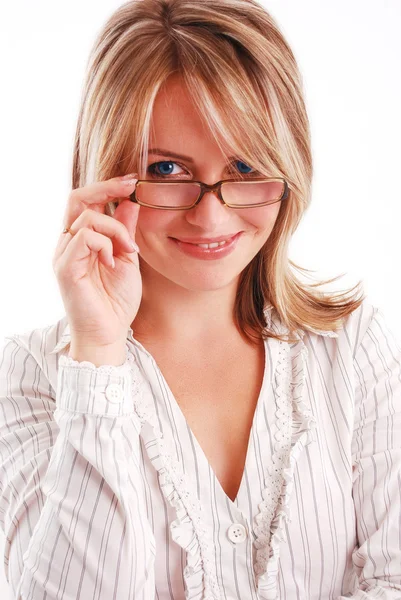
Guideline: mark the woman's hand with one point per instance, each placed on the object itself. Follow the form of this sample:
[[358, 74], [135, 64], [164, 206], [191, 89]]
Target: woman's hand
[[100, 301]]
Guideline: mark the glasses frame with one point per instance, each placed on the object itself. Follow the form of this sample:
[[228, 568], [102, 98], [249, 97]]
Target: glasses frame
[[214, 187]]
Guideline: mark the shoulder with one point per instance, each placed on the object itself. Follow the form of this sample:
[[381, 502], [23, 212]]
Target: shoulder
[[358, 322], [352, 329], [32, 349], [367, 340], [355, 329], [368, 327]]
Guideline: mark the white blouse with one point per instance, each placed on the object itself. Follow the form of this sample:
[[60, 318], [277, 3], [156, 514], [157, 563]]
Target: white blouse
[[107, 494]]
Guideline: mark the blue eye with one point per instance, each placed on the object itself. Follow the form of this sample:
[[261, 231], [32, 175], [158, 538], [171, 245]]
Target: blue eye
[[243, 166], [163, 167]]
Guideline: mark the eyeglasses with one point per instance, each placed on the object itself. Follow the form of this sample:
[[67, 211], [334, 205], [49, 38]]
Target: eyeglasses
[[183, 195]]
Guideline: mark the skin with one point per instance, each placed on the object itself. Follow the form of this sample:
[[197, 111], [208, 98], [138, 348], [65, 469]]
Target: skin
[[185, 299]]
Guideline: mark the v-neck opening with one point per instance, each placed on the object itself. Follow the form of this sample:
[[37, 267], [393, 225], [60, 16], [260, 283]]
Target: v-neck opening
[[233, 503]]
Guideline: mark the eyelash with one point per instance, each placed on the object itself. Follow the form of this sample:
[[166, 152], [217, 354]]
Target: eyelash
[[152, 167]]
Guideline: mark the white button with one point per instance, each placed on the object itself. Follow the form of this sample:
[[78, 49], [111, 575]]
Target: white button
[[114, 392], [236, 533]]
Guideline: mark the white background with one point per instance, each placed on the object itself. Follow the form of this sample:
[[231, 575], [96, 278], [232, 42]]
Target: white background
[[350, 57]]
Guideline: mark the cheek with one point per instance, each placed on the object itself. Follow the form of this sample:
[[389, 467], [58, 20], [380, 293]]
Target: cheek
[[153, 221], [262, 219]]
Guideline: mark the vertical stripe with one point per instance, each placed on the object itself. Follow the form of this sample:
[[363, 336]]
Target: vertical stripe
[[84, 514]]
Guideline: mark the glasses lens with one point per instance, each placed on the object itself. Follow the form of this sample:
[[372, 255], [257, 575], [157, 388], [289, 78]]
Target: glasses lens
[[249, 193], [167, 195], [180, 195]]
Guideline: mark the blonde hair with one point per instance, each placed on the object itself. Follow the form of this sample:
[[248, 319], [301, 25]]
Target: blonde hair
[[244, 79]]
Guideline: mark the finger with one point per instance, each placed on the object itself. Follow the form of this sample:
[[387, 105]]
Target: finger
[[85, 244], [127, 213], [104, 224], [96, 196]]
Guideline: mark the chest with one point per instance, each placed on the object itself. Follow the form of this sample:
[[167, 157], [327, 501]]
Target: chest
[[218, 398]]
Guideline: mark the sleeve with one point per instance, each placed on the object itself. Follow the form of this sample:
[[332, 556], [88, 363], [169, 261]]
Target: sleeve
[[376, 455], [72, 507]]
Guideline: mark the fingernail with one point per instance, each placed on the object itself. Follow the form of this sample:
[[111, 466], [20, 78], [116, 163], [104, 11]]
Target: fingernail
[[129, 179], [135, 246], [129, 176]]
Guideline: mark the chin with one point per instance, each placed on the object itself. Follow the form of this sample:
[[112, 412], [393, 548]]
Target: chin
[[205, 282]]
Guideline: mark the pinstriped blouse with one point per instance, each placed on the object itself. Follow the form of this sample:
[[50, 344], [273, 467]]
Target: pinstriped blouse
[[107, 494]]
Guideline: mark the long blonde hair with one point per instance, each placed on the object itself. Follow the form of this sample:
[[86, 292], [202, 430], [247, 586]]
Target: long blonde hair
[[244, 79]]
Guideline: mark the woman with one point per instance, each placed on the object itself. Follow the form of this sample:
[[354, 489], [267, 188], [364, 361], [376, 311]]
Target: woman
[[200, 424]]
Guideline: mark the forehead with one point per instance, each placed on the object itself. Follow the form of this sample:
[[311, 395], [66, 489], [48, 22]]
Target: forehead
[[176, 119], [174, 97]]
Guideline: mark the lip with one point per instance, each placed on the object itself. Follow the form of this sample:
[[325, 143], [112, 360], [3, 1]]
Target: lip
[[222, 238], [207, 253]]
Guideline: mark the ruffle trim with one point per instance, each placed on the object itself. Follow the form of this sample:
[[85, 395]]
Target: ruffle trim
[[68, 361], [295, 427], [188, 528]]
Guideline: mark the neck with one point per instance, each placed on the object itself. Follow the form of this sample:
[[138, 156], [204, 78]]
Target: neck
[[187, 316]]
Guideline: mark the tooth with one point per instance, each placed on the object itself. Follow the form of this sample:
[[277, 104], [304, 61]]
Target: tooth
[[215, 245]]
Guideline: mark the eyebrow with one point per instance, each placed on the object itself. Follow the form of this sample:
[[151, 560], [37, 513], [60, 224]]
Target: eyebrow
[[163, 152]]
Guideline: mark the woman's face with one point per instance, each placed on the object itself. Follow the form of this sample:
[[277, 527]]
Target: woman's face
[[176, 127]]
